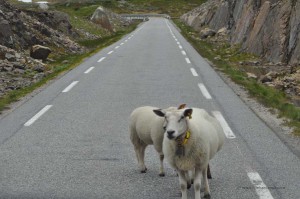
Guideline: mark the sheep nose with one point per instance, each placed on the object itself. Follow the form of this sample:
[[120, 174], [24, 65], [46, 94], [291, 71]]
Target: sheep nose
[[170, 132]]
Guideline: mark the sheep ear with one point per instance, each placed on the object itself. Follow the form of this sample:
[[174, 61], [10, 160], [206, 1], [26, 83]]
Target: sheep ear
[[159, 112], [181, 106], [188, 113]]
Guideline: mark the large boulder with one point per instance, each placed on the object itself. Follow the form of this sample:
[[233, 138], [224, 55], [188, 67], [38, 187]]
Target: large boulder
[[101, 17], [39, 52], [108, 19]]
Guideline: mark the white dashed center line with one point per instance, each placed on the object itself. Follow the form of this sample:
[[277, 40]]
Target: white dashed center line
[[195, 74], [187, 60], [68, 88], [117, 47], [183, 52], [101, 59], [180, 46], [121, 44], [89, 70], [110, 52], [38, 115]]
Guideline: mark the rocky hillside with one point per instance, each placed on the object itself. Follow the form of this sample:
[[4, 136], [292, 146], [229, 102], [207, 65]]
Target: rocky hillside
[[28, 34], [270, 29], [267, 29]]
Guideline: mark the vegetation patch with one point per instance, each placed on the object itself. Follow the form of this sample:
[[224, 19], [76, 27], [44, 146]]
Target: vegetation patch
[[226, 59]]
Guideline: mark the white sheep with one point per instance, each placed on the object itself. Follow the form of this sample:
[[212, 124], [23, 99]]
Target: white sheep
[[146, 128], [192, 138]]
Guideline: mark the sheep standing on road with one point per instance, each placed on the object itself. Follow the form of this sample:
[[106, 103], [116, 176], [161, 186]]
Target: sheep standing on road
[[192, 137], [146, 128]]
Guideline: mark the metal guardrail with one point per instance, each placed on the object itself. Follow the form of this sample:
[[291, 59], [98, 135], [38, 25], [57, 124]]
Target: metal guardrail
[[143, 16]]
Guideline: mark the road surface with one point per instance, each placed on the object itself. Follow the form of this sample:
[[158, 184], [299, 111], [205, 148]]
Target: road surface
[[71, 140]]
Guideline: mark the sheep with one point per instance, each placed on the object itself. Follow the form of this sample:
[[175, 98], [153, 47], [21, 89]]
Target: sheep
[[147, 129], [192, 137]]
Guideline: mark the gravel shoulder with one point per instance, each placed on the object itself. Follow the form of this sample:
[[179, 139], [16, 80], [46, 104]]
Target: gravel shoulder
[[271, 119]]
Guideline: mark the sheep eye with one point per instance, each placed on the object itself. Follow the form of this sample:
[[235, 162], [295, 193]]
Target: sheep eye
[[180, 118]]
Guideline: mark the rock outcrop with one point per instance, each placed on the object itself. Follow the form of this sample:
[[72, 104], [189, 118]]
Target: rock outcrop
[[20, 30], [269, 29]]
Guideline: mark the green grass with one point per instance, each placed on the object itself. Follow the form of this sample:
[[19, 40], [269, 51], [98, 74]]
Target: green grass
[[268, 96]]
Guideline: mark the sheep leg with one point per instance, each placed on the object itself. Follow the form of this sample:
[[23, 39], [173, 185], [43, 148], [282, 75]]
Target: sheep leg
[[161, 169], [205, 182], [183, 184], [208, 172], [140, 154], [197, 183], [190, 178]]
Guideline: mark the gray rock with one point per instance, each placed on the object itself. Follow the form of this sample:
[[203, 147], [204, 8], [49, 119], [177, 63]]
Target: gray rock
[[207, 32], [39, 52]]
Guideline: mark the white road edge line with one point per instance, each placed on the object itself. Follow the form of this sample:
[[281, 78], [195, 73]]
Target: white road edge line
[[195, 74], [260, 187], [89, 70], [68, 88], [110, 52], [100, 60], [204, 91], [227, 130], [38, 115], [183, 52], [187, 60]]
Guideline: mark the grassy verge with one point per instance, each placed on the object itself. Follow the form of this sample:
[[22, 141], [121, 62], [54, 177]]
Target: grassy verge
[[229, 56]]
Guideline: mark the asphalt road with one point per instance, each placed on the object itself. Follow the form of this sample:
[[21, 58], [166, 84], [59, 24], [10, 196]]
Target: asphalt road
[[71, 140]]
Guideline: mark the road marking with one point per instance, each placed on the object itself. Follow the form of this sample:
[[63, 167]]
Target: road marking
[[100, 60], [126, 40], [110, 52], [183, 52], [227, 130], [204, 91], [187, 60], [180, 46], [121, 44], [117, 47], [195, 74], [38, 115], [178, 43], [260, 187], [89, 70], [68, 88]]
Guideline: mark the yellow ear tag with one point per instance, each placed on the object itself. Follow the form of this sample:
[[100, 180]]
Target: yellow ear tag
[[190, 116], [187, 136]]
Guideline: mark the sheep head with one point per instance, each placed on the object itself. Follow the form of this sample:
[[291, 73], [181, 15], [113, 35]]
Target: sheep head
[[176, 123]]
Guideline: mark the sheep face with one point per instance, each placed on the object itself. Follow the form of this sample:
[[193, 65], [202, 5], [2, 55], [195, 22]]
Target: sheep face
[[175, 123]]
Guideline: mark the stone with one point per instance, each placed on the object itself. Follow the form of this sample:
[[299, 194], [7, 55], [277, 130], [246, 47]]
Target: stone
[[101, 17], [39, 52], [251, 76], [207, 32]]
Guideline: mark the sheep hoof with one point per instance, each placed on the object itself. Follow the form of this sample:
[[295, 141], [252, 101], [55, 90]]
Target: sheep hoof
[[162, 175], [207, 196], [144, 170]]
